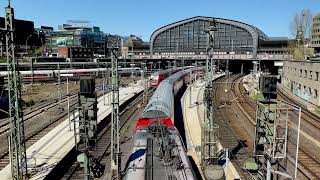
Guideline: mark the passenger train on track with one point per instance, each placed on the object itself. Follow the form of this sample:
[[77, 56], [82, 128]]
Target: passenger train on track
[[158, 150], [156, 77], [47, 75]]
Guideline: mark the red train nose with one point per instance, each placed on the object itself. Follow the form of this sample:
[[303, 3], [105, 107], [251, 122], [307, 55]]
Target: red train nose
[[145, 122]]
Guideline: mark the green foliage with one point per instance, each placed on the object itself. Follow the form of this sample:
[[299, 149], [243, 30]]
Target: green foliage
[[299, 53], [38, 51]]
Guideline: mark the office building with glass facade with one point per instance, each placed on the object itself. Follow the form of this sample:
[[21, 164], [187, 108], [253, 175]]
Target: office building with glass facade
[[75, 36]]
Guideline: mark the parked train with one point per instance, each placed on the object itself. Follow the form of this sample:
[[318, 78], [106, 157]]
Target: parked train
[[47, 75], [158, 150]]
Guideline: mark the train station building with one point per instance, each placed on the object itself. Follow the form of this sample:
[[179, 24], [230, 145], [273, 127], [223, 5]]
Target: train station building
[[186, 38]]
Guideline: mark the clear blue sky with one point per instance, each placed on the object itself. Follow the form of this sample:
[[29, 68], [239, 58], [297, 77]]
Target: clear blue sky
[[142, 17]]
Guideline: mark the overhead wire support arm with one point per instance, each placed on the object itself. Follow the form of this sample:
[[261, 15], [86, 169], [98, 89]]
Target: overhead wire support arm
[[17, 149], [209, 130], [115, 134]]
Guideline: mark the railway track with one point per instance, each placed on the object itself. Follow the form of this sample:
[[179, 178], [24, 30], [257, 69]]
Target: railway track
[[44, 106], [131, 112], [307, 165], [227, 139], [247, 107], [35, 111], [4, 157], [311, 118], [39, 133], [40, 108], [44, 129], [230, 127]]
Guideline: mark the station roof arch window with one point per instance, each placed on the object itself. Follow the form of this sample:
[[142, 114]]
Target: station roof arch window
[[188, 36]]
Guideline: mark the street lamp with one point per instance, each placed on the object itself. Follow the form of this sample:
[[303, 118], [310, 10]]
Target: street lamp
[[27, 42]]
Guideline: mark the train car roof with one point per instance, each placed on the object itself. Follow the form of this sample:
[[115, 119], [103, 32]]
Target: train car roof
[[176, 76], [160, 105], [158, 155], [162, 71]]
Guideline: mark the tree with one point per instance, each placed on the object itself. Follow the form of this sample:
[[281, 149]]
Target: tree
[[38, 51], [302, 21]]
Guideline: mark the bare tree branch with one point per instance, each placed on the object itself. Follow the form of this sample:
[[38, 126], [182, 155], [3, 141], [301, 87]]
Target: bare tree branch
[[302, 19]]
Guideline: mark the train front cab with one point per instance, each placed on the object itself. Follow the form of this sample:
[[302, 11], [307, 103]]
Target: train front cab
[[144, 122]]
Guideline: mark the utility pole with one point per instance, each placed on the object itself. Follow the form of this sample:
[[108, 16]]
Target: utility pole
[[68, 97], [145, 87], [227, 68], [32, 73], [109, 79], [104, 85], [115, 128], [151, 67], [59, 89], [190, 89], [17, 149], [227, 74], [182, 62], [196, 71], [68, 104], [159, 64], [209, 130], [132, 70], [241, 68]]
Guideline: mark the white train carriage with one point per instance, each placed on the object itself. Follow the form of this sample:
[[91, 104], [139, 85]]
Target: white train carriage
[[158, 150], [47, 75], [158, 153]]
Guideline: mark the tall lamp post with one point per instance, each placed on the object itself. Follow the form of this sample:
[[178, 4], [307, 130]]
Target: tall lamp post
[[27, 43]]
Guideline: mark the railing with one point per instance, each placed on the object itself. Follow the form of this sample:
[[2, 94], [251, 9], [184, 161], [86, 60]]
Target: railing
[[216, 56]]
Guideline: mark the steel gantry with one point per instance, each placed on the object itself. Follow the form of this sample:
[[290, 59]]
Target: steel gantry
[[115, 134], [271, 131], [144, 79], [209, 130], [17, 149], [87, 133]]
